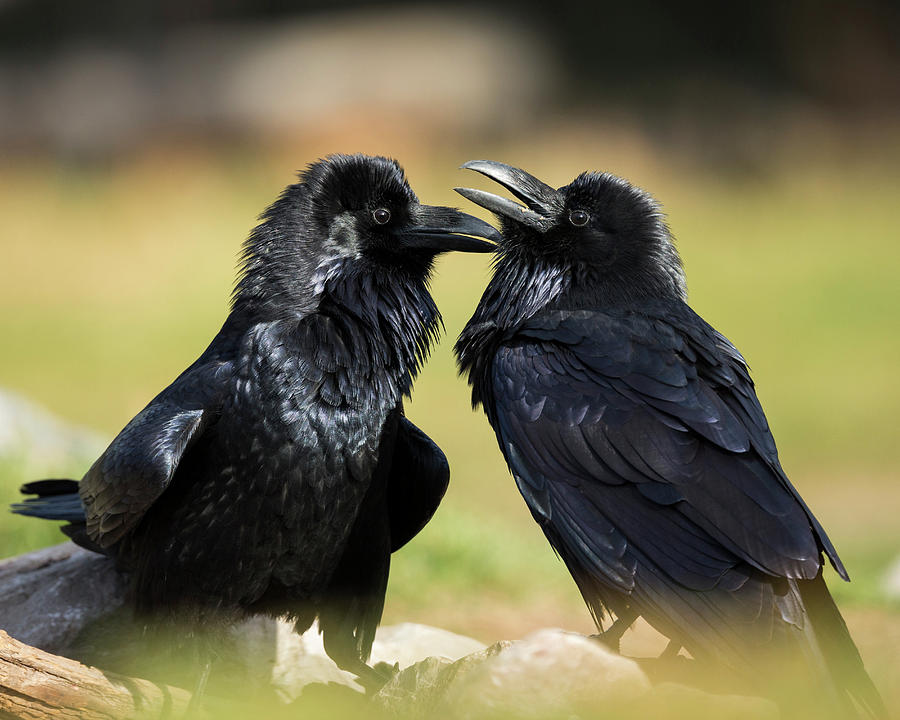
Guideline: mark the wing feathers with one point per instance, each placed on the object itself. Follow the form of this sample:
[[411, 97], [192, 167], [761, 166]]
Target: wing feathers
[[639, 442], [141, 461]]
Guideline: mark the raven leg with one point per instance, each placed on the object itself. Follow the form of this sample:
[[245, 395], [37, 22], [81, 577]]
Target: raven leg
[[354, 600], [613, 635], [346, 657]]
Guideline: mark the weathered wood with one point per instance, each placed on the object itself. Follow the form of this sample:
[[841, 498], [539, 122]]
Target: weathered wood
[[35, 684], [48, 596]]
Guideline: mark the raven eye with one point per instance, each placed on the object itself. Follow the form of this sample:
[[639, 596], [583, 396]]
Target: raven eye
[[579, 217], [381, 215]]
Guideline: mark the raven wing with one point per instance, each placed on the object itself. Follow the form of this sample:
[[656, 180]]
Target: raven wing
[[418, 480], [140, 462], [639, 445]]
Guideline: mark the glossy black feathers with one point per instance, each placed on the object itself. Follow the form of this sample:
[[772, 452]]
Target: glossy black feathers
[[277, 473], [634, 434]]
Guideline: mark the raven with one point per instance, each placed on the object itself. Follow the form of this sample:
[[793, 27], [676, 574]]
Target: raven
[[278, 473], [634, 434]]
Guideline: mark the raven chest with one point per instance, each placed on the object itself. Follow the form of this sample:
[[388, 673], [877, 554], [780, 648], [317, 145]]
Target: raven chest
[[298, 443], [303, 412]]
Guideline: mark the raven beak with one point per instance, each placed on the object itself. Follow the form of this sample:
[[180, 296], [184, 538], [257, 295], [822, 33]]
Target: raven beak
[[442, 229], [543, 202]]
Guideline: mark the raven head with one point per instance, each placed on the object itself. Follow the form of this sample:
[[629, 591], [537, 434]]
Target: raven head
[[606, 236], [349, 215], [364, 208]]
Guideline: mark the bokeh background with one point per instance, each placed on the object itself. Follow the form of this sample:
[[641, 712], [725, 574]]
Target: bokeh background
[[140, 140]]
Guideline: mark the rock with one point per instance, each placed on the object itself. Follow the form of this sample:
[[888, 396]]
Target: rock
[[301, 660], [419, 689], [550, 672], [408, 643], [416, 690], [256, 646]]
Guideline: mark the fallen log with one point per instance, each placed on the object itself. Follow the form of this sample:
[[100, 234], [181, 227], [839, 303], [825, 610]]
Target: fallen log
[[47, 598], [35, 684]]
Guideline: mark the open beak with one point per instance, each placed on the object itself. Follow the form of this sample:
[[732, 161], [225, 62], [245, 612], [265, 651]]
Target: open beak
[[442, 229], [541, 201]]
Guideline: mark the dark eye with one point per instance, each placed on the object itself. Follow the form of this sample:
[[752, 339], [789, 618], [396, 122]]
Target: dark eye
[[381, 215], [579, 217]]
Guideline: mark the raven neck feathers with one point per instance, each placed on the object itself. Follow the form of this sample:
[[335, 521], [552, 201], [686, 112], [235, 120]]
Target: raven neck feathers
[[278, 262], [525, 284], [396, 316], [520, 288], [291, 269]]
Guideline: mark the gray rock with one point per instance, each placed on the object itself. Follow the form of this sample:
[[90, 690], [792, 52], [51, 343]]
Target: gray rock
[[301, 659], [408, 643], [417, 691], [550, 672], [256, 646]]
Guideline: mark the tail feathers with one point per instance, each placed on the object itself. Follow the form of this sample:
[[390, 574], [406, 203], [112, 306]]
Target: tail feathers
[[50, 487], [56, 500], [840, 654]]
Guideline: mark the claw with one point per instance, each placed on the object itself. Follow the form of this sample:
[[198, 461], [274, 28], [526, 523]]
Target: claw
[[604, 638], [612, 636]]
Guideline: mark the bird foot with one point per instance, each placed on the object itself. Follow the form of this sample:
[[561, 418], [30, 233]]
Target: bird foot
[[612, 636], [375, 677], [613, 642]]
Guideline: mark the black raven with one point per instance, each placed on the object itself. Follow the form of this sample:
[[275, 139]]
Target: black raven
[[634, 434], [277, 473]]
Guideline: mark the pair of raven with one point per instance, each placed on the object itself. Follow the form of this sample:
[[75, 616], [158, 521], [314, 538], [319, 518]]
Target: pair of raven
[[278, 473]]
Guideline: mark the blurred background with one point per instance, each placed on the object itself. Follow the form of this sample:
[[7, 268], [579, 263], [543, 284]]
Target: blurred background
[[140, 140]]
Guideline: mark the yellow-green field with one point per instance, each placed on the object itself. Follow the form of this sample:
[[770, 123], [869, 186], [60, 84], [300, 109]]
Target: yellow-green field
[[113, 279]]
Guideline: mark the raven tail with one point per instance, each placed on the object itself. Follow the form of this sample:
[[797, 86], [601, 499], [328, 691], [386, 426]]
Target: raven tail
[[57, 500], [840, 654]]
